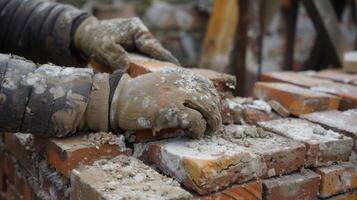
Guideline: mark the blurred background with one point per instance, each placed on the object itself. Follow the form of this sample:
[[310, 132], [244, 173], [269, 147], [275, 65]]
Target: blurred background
[[241, 37]]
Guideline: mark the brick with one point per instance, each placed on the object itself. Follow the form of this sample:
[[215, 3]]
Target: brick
[[342, 122], [20, 146], [140, 64], [69, 153], [347, 93], [123, 177], [248, 191], [8, 167], [297, 186], [221, 81], [350, 195], [322, 146], [226, 113], [235, 155], [280, 155], [337, 179], [224, 83], [295, 78], [205, 165], [296, 99], [336, 75], [249, 111], [280, 109], [148, 135]]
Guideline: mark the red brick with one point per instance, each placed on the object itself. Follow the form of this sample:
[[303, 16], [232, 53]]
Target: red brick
[[206, 165], [248, 191], [323, 146], [337, 179], [226, 114], [295, 78], [123, 177], [148, 135], [342, 122], [224, 83], [140, 64], [347, 93], [235, 155], [8, 167], [249, 111], [336, 75], [280, 155], [72, 152], [350, 195], [20, 146], [297, 186], [296, 99]]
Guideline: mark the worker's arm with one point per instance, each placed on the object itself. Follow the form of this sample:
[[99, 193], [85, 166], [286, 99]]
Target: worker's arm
[[61, 34], [50, 100]]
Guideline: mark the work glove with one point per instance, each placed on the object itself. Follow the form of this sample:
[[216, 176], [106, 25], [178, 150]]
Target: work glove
[[172, 98], [106, 42]]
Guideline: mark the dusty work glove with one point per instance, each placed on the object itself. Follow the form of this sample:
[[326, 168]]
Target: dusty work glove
[[173, 98], [107, 42]]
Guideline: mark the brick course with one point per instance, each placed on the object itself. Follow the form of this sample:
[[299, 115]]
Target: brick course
[[342, 122], [296, 99], [337, 179], [323, 146], [297, 186], [72, 152]]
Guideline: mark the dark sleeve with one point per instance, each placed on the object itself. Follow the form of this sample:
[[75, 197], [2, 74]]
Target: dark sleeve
[[45, 100], [40, 31], [51, 101]]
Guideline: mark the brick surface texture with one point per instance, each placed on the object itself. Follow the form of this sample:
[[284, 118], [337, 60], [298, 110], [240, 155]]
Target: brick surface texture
[[296, 99], [237, 154], [72, 152], [323, 146], [123, 177], [248, 191], [337, 179], [342, 122], [297, 186]]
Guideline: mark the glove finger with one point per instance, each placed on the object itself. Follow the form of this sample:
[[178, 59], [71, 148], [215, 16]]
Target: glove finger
[[148, 44], [110, 54], [209, 110], [196, 123]]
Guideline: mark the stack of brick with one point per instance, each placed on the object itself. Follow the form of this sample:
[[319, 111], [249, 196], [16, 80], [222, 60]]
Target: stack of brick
[[261, 152], [330, 82]]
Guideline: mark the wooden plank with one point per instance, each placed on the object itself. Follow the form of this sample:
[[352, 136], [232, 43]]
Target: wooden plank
[[220, 36]]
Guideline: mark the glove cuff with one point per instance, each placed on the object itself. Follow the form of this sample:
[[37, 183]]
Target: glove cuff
[[117, 81]]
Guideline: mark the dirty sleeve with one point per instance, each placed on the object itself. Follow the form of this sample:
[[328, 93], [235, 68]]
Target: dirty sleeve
[[40, 31]]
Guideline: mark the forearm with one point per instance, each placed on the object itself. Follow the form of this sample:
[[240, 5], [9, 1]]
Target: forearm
[[40, 31], [49, 100]]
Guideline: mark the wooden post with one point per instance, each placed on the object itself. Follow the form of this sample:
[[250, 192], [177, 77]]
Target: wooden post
[[246, 56]]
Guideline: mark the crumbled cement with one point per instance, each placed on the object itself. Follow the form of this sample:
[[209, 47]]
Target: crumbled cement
[[302, 130], [101, 138], [125, 178]]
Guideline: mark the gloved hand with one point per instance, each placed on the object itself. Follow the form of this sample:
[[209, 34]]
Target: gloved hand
[[172, 98], [107, 41]]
